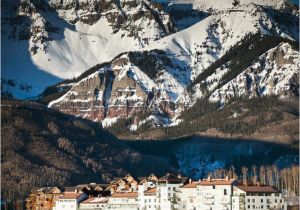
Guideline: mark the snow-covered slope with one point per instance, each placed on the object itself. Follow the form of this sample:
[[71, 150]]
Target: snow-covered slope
[[65, 38], [275, 73], [152, 51], [55, 40], [127, 86]]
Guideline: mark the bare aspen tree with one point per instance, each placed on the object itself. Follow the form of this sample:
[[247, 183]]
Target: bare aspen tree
[[295, 178], [253, 175], [232, 174], [284, 179], [276, 176], [244, 175], [262, 175], [270, 180], [289, 181]]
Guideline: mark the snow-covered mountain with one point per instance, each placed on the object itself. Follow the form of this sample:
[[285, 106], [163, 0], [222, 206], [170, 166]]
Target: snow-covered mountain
[[144, 54], [275, 73]]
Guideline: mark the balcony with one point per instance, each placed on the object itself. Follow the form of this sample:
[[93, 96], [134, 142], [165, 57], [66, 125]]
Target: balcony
[[208, 196], [224, 201], [208, 201]]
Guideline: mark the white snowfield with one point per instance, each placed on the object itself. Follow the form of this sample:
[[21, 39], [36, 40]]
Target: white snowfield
[[71, 49]]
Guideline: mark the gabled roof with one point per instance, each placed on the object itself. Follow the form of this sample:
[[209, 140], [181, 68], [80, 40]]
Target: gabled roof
[[217, 182], [116, 179], [70, 195], [73, 189], [142, 178], [258, 189], [151, 191], [46, 190], [96, 200], [170, 178], [128, 176], [125, 195], [191, 185], [152, 177], [184, 179]]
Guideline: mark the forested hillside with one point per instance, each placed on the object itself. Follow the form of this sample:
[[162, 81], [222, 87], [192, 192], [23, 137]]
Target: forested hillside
[[42, 147]]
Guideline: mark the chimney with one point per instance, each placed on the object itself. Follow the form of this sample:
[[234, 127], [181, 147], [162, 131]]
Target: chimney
[[258, 184], [227, 178], [209, 178], [179, 176], [190, 180], [76, 190]]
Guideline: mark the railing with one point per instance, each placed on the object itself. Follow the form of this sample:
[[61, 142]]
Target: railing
[[208, 196], [224, 201], [208, 201]]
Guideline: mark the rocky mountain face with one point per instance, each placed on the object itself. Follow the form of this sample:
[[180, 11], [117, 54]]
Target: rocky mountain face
[[133, 86], [122, 88], [144, 56], [275, 73]]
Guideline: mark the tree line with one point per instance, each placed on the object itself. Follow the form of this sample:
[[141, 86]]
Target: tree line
[[284, 179]]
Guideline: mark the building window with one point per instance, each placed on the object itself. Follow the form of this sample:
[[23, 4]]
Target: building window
[[225, 192], [248, 200], [248, 206], [261, 200]]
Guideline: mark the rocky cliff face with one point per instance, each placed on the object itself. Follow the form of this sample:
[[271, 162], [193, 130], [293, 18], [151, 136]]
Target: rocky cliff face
[[134, 85], [119, 89], [151, 50], [274, 73], [128, 18], [60, 39]]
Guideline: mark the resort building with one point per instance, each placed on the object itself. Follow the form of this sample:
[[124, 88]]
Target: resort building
[[257, 197], [215, 194], [149, 200], [43, 198], [94, 203], [166, 190], [169, 192], [187, 196], [124, 201], [70, 201]]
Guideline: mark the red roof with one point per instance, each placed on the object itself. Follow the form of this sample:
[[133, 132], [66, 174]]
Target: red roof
[[96, 200], [125, 195], [170, 178], [191, 185], [151, 191], [70, 195], [258, 189], [217, 182]]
